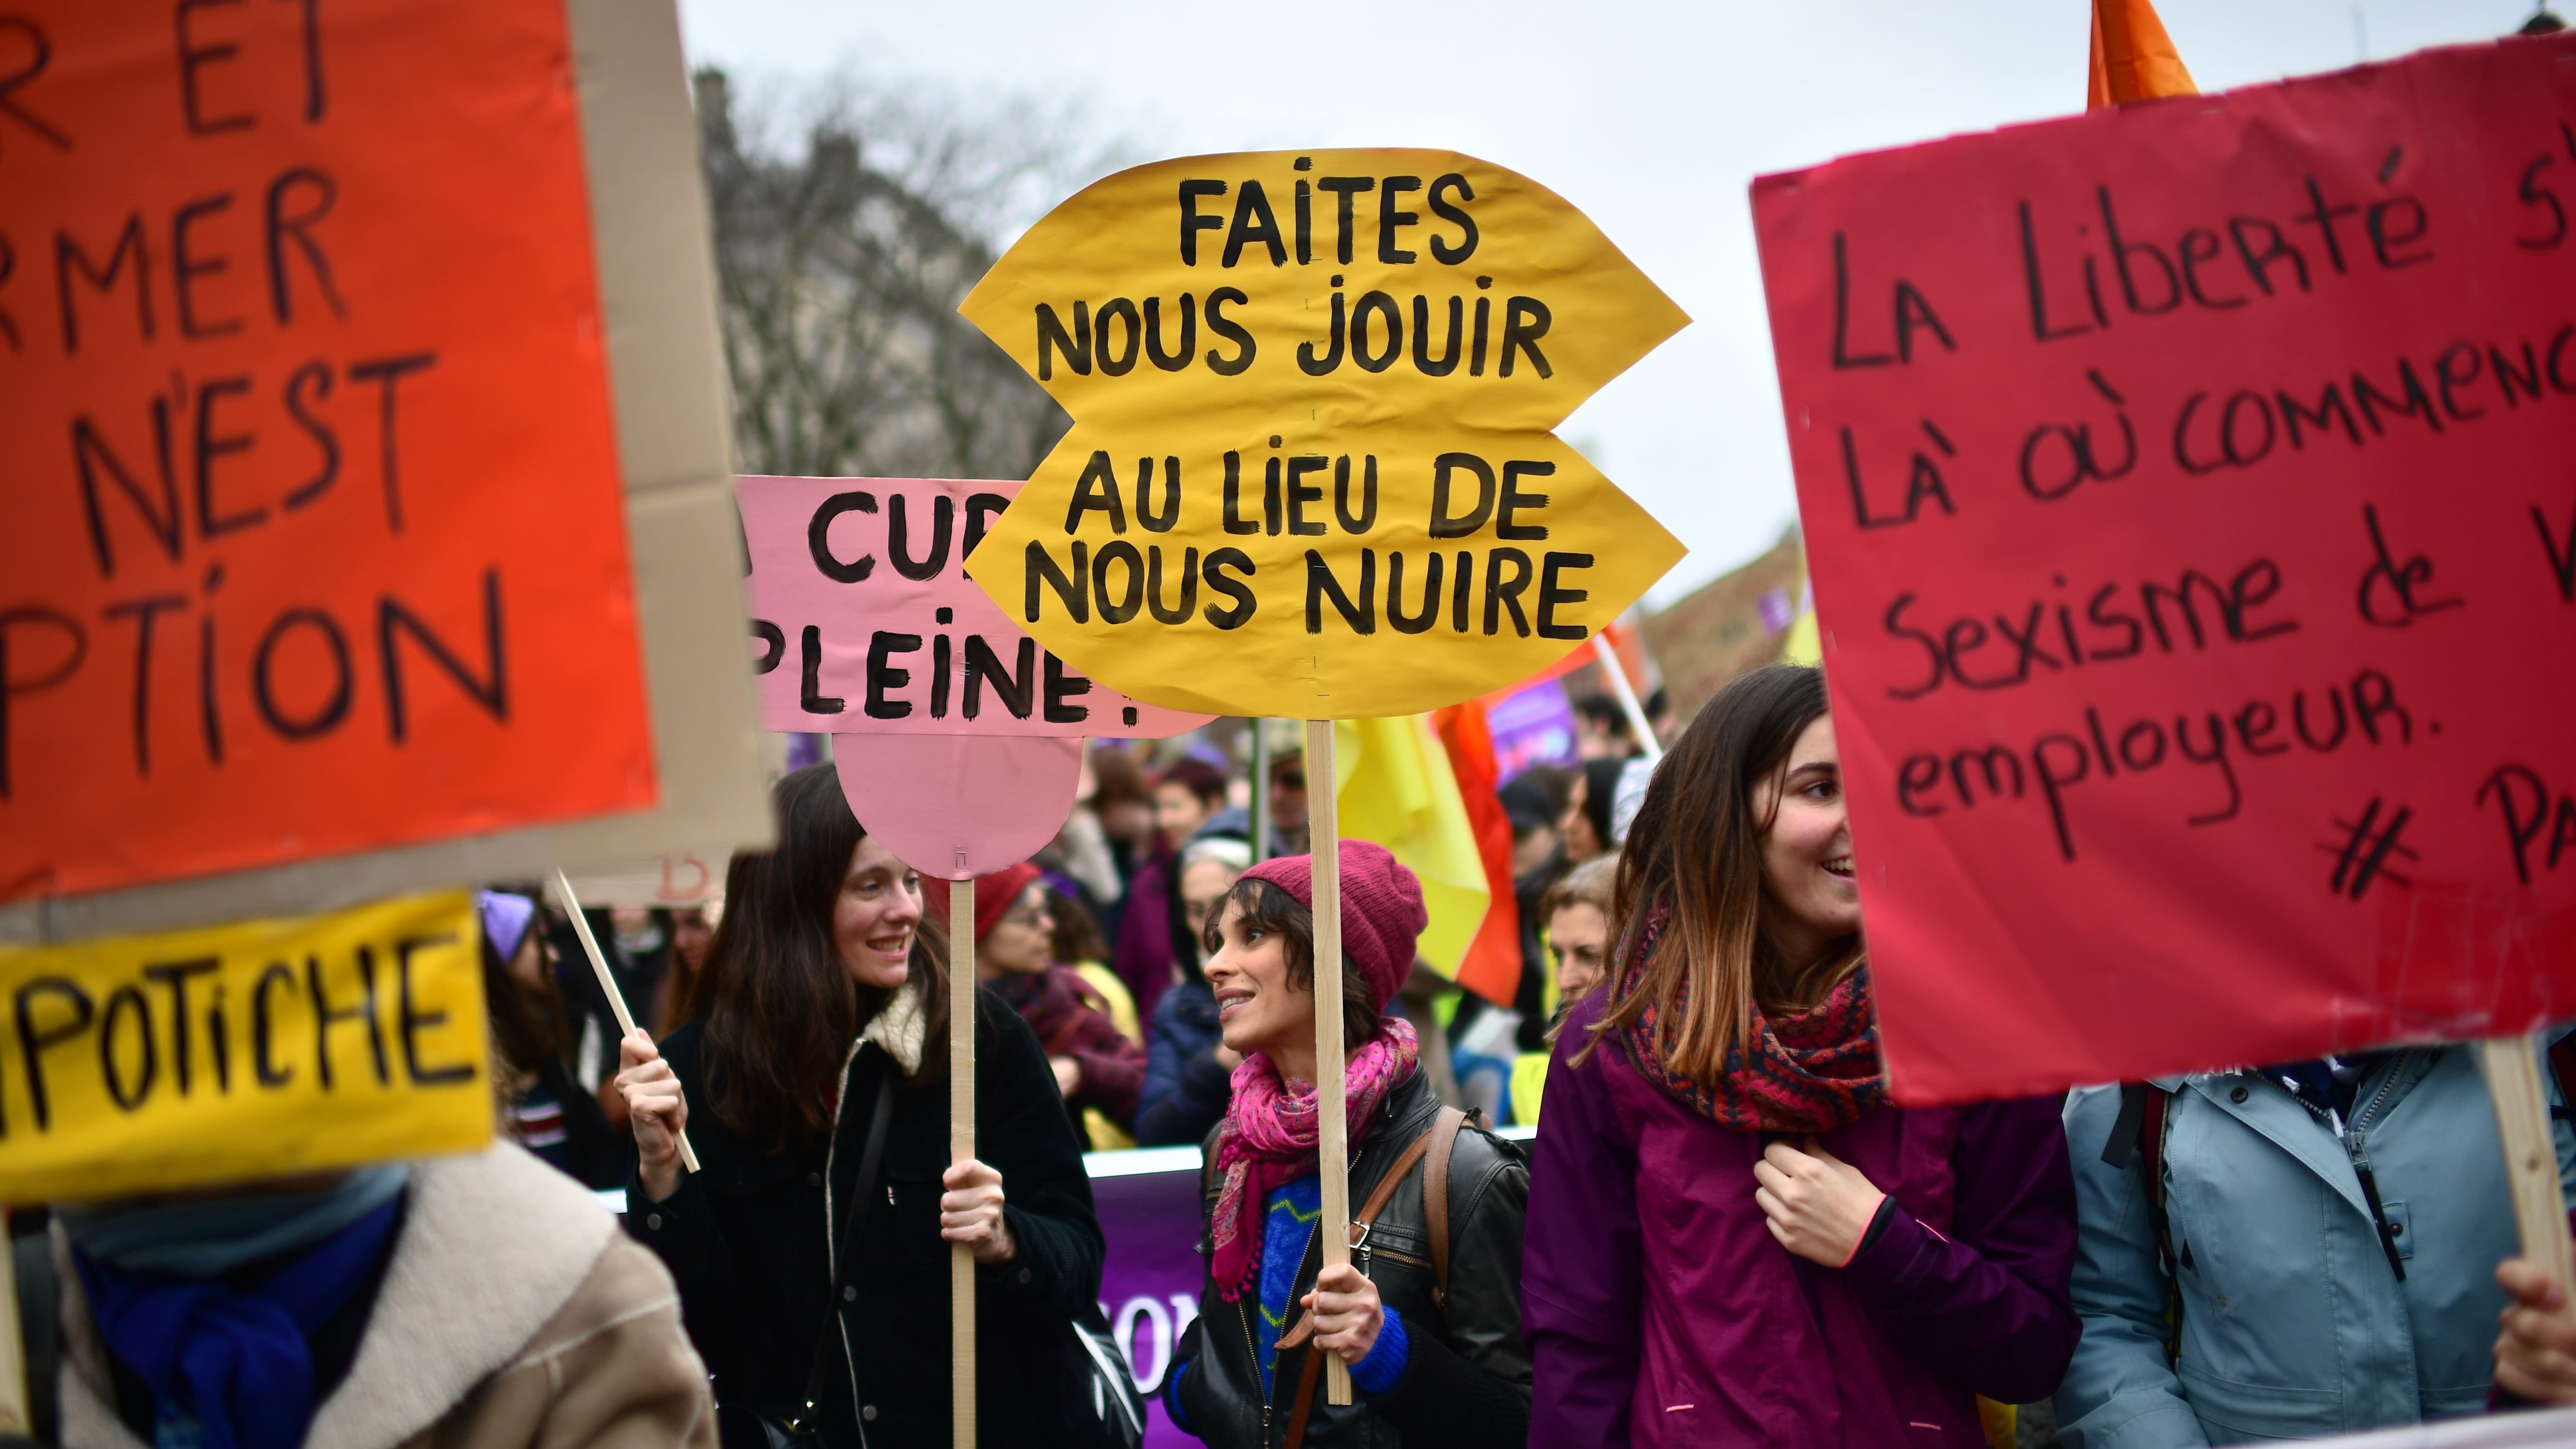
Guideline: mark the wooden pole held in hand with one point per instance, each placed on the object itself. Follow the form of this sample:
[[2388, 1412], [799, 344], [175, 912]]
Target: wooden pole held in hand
[[608, 986], [961, 1148], [2512, 1069], [1332, 1147]]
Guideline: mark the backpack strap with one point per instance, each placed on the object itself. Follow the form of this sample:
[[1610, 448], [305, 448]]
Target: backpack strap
[[1435, 1199], [1303, 1329], [2138, 1135], [1304, 1326], [2151, 1162], [1305, 1401]]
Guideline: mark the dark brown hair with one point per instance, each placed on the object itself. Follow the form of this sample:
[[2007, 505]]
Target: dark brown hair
[[528, 1026], [1696, 851], [781, 1009], [1204, 781], [1119, 777], [1267, 906], [1077, 936]]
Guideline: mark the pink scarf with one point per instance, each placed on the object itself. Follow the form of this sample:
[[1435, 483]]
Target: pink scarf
[[1269, 1135]]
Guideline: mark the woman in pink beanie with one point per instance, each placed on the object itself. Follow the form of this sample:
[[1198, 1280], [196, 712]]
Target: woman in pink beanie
[[1427, 1314]]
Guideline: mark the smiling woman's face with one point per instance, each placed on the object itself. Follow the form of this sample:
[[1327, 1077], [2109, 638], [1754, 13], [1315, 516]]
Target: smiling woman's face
[[875, 915], [1807, 852], [1257, 1010]]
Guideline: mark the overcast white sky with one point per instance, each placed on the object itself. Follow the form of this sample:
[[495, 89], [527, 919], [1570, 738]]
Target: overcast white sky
[[1652, 117]]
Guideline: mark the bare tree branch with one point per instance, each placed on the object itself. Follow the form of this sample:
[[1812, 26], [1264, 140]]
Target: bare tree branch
[[841, 262]]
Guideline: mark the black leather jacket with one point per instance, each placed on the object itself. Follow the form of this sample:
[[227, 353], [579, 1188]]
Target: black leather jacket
[[1467, 1372]]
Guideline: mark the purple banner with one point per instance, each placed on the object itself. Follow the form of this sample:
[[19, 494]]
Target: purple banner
[[1533, 726], [1149, 1287]]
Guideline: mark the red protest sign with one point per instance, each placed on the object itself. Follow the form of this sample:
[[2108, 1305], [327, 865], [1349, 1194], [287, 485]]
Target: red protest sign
[[2195, 545], [310, 531]]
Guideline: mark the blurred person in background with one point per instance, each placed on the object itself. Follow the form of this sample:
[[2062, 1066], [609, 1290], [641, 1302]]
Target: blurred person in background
[[1188, 1065], [1077, 942], [1124, 803], [1288, 801], [693, 929], [640, 939], [1150, 933], [544, 1109], [826, 1023], [1660, 717], [589, 1018], [1080, 853], [1534, 811], [1585, 827], [1577, 911], [1098, 1068], [1601, 729]]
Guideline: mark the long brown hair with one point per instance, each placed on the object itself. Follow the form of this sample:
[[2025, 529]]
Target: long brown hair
[[780, 1007], [1695, 851]]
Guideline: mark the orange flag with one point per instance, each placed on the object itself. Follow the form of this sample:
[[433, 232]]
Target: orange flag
[[1492, 968], [2133, 58]]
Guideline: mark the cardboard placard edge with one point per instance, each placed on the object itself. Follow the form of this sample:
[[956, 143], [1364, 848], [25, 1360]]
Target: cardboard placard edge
[[666, 377]]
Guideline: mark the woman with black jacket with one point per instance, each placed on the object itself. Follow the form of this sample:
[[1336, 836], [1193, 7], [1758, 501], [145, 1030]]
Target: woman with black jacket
[[1427, 1315], [821, 997]]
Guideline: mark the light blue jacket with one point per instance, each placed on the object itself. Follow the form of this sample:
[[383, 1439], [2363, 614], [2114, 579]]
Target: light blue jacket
[[2293, 1323]]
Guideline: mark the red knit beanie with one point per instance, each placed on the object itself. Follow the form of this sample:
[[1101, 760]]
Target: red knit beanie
[[1382, 912], [995, 894]]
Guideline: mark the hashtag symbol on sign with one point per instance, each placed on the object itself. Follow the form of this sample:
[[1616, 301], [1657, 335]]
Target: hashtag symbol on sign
[[2361, 857]]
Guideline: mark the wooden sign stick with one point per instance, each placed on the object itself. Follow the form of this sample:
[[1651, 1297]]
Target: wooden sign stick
[[17, 1414], [2530, 1156], [1332, 1147], [961, 1147], [1627, 693], [608, 986]]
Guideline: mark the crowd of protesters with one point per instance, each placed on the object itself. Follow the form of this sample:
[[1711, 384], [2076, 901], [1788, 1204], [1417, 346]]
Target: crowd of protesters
[[1723, 1233]]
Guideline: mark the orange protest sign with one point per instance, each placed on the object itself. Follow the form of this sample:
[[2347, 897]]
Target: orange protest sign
[[311, 539]]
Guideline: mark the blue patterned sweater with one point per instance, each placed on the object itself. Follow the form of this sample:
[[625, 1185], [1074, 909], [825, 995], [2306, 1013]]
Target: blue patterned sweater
[[1287, 1231]]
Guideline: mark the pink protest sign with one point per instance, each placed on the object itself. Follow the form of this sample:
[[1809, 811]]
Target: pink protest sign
[[958, 806], [867, 622]]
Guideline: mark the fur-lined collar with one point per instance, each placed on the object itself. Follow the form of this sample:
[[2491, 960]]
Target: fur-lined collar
[[493, 1245], [900, 1029]]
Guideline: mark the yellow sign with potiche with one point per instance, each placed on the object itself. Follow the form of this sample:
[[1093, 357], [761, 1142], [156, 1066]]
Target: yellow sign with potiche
[[261, 1049]]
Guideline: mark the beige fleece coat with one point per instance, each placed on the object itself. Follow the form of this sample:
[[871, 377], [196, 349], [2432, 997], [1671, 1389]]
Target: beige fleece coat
[[514, 1315]]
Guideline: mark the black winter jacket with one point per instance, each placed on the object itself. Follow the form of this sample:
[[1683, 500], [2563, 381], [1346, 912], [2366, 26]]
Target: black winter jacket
[[748, 1241], [1466, 1378]]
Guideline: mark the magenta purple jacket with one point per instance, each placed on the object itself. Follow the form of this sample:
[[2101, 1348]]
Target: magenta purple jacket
[[1660, 1310], [1145, 953]]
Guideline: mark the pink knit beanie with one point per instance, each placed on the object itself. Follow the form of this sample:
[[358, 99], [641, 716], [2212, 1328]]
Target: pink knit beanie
[[1382, 910]]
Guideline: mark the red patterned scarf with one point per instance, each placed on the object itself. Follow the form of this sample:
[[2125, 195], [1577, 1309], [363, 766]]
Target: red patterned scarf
[[1268, 1138], [1809, 1071]]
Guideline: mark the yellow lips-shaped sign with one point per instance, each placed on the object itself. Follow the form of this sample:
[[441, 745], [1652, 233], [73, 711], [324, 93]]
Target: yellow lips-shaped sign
[[1311, 472]]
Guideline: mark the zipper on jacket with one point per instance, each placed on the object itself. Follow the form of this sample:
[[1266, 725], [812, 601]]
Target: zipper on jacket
[[2353, 1136], [2356, 1143], [1251, 1345], [832, 1243]]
